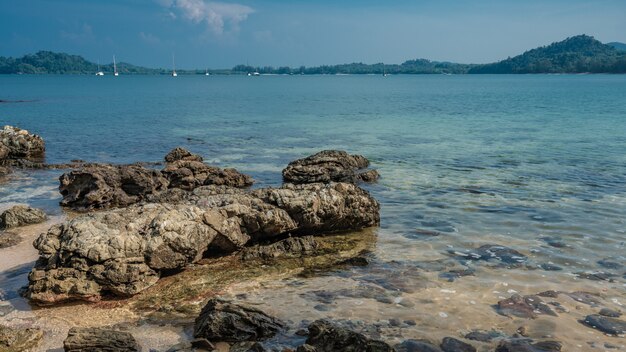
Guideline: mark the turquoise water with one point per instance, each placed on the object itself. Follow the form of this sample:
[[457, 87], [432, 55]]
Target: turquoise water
[[513, 160]]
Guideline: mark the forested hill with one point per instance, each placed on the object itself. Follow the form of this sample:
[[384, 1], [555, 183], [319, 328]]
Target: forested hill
[[579, 54]]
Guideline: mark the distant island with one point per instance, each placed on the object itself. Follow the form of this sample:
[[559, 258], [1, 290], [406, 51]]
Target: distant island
[[578, 54]]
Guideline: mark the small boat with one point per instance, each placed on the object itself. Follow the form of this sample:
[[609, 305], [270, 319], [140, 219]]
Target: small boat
[[115, 73], [174, 74], [253, 74], [385, 74], [206, 72], [99, 73]]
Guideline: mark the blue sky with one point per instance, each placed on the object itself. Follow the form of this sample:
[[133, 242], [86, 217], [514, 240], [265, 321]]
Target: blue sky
[[220, 34]]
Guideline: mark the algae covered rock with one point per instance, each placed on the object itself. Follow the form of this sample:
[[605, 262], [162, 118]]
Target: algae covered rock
[[222, 320], [329, 166]]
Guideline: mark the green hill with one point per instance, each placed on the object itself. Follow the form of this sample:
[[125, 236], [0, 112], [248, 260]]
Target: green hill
[[579, 54], [617, 45]]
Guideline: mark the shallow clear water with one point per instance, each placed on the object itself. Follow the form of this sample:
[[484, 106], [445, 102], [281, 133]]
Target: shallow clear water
[[522, 161]]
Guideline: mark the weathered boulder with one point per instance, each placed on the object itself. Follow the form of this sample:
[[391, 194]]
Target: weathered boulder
[[16, 143], [124, 251], [98, 339], [17, 340], [325, 336], [329, 166], [99, 186], [221, 320], [20, 215], [607, 325], [189, 174], [179, 153], [524, 306]]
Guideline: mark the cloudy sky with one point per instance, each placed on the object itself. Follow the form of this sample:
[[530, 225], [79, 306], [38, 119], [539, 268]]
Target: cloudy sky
[[220, 34]]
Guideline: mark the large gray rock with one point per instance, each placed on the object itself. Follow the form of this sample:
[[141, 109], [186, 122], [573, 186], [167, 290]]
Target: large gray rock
[[124, 251], [325, 336], [99, 340], [329, 166], [16, 143], [20, 215], [100, 186]]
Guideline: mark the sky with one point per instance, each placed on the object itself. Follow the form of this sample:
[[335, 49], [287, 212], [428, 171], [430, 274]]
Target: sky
[[221, 34]]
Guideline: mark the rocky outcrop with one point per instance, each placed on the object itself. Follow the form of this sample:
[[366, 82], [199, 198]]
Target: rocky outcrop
[[124, 251], [16, 143], [189, 174], [100, 186], [329, 166], [222, 320], [20, 215], [98, 339], [325, 336], [179, 153], [17, 340]]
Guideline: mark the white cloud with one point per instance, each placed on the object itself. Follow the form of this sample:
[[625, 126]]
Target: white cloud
[[219, 17], [149, 38]]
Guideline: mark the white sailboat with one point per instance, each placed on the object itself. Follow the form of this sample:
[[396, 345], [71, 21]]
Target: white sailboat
[[174, 74], [99, 73], [206, 72], [115, 73]]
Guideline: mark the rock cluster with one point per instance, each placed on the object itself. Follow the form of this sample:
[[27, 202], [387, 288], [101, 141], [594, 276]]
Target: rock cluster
[[329, 166], [124, 251], [20, 215], [16, 144]]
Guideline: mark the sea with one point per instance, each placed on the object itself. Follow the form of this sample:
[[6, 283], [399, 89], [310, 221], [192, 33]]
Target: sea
[[536, 163]]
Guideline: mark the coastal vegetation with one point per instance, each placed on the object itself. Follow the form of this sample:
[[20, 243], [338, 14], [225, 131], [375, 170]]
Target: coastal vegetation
[[578, 54]]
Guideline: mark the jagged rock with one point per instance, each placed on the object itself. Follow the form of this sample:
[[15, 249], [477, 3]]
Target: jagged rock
[[416, 346], [329, 166], [524, 306], [16, 143], [450, 344], [20, 215], [98, 339], [325, 336], [189, 174], [9, 239], [289, 247], [527, 345], [124, 251], [17, 340], [103, 186], [179, 153], [607, 325], [221, 320]]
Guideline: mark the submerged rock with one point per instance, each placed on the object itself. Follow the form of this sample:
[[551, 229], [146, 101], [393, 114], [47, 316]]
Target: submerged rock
[[492, 252], [610, 313], [483, 336], [450, 344], [221, 320], [289, 247], [607, 325], [98, 339], [20, 215], [528, 345], [524, 306], [101, 186], [179, 153], [16, 143], [329, 166], [416, 346], [325, 336], [17, 340]]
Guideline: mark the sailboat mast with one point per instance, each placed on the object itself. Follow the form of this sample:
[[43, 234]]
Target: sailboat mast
[[114, 65]]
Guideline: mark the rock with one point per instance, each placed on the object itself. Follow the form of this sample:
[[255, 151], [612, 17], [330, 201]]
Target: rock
[[416, 346], [9, 239], [179, 153], [483, 336], [329, 166], [596, 276], [20, 215], [524, 307], [124, 251], [17, 340], [290, 247], [101, 186], [609, 264], [450, 344], [527, 345], [610, 313], [195, 345], [221, 320], [491, 252], [189, 174], [327, 337], [306, 348], [16, 143], [98, 339], [607, 325]]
